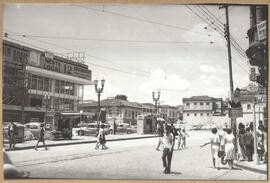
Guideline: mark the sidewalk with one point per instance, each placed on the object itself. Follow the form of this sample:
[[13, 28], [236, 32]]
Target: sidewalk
[[261, 168], [76, 139]]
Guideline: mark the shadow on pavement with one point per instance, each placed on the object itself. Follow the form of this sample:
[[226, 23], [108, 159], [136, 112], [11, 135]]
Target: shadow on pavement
[[176, 173]]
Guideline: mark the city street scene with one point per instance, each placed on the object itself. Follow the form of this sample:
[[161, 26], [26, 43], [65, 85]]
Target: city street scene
[[135, 91]]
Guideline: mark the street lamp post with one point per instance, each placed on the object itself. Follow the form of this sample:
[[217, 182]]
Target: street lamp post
[[99, 91], [156, 99]]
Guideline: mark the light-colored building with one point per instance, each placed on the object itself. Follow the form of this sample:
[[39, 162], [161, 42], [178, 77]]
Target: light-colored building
[[38, 84], [122, 111], [247, 98], [198, 110]]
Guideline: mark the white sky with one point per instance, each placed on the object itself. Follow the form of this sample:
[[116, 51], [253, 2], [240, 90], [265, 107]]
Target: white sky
[[191, 67]]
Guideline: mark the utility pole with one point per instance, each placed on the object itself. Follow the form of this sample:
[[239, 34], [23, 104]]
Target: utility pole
[[227, 36]]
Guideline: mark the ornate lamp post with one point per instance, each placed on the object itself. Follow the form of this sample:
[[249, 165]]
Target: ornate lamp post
[[156, 99], [99, 91]]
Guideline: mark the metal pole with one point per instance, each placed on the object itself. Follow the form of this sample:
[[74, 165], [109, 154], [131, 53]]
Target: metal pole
[[255, 156], [98, 117]]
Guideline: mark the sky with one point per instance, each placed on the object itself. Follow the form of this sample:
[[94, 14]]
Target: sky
[[138, 49]]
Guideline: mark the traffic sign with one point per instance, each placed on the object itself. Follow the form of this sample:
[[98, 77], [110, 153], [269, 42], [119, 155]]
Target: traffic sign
[[236, 112]]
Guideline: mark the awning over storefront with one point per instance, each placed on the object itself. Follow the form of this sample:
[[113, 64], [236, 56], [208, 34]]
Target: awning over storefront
[[59, 76]]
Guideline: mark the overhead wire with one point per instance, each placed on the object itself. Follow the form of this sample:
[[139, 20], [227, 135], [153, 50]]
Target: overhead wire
[[218, 29]]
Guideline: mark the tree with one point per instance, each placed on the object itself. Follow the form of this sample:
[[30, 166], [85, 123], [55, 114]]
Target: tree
[[121, 97]]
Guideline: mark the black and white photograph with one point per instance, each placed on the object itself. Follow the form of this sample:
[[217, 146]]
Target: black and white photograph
[[135, 91]]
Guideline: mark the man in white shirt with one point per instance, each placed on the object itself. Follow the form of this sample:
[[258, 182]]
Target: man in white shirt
[[167, 150]]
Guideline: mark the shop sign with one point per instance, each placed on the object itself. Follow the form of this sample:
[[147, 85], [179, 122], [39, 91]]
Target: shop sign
[[261, 27]]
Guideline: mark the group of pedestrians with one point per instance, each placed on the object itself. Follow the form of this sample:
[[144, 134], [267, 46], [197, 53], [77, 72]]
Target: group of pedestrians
[[222, 147], [246, 141], [168, 134]]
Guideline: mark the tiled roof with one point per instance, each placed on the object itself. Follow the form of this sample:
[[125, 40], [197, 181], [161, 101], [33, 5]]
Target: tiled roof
[[114, 102], [198, 98]]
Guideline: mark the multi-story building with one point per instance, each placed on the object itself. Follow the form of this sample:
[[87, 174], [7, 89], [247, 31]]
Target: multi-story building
[[198, 110], [38, 84], [148, 108], [249, 112], [168, 112], [122, 111]]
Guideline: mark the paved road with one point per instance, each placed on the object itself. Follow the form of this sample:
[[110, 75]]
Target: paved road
[[132, 159]]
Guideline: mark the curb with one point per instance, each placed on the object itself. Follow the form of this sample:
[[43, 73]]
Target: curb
[[246, 167], [75, 143]]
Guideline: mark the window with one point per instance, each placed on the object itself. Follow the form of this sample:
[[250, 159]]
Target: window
[[62, 88], [187, 104], [201, 103], [248, 107], [34, 82], [57, 86], [207, 114], [40, 83], [195, 114], [195, 103], [201, 114], [187, 114], [46, 84], [207, 103]]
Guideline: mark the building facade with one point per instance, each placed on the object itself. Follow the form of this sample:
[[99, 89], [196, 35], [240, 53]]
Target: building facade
[[198, 110], [120, 111], [38, 84], [168, 112]]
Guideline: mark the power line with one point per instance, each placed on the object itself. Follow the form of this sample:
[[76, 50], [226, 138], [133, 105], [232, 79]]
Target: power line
[[115, 40], [99, 58], [91, 63], [217, 28], [139, 19]]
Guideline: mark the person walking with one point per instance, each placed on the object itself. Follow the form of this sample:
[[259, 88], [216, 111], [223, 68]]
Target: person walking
[[167, 150], [260, 142], [179, 137], [265, 143], [12, 131], [241, 133], [101, 138], [248, 142], [184, 138], [229, 148], [41, 137], [221, 153], [215, 144], [160, 134]]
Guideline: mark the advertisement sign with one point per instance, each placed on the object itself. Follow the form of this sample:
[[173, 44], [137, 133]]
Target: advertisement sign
[[59, 66], [261, 27]]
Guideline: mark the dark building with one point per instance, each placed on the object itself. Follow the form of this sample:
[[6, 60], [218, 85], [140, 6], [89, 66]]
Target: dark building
[[38, 84], [258, 45]]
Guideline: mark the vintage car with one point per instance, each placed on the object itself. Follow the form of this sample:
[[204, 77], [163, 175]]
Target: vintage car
[[91, 129]]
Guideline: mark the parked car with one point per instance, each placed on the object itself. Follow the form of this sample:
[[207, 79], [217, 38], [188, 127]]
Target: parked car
[[91, 129], [34, 128], [131, 129], [122, 127]]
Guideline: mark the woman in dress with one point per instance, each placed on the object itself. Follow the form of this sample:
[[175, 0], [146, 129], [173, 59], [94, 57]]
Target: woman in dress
[[229, 148], [215, 142]]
